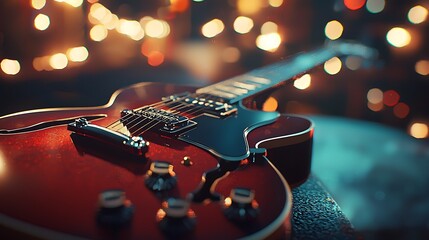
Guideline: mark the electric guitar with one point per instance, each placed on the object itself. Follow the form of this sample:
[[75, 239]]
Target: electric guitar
[[160, 161]]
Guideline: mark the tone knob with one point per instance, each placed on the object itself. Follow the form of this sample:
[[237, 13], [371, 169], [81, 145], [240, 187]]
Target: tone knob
[[175, 218], [114, 208], [160, 176], [241, 205]]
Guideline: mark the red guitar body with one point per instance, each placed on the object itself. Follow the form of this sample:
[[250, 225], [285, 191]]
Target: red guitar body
[[49, 186]]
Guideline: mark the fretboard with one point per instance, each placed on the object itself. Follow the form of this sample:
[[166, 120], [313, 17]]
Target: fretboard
[[248, 84]]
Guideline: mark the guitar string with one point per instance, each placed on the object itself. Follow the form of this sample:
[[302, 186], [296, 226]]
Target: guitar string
[[155, 122], [129, 115], [192, 111]]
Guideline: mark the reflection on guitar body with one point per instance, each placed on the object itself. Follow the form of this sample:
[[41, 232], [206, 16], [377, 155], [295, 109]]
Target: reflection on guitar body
[[160, 161]]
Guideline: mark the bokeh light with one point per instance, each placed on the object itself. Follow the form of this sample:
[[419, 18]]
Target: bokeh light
[[377, 107], [41, 22], [398, 37], [270, 105], [419, 130], [98, 33], [391, 98], [417, 14], [275, 3], [354, 4], [10, 66], [212, 28], [375, 6], [157, 28], [77, 54], [303, 82], [333, 30], [38, 4], [243, 24], [58, 61], [422, 67], [333, 66], [155, 58], [375, 96], [401, 110], [269, 42], [269, 27], [248, 7]]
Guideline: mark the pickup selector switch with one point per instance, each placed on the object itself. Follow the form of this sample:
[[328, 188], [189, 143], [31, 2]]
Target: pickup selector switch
[[114, 209], [241, 205], [160, 176], [175, 218]]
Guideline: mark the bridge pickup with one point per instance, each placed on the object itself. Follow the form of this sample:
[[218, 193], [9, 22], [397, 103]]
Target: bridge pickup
[[134, 145]]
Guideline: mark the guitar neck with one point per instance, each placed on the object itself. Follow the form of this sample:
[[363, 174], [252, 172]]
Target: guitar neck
[[255, 81]]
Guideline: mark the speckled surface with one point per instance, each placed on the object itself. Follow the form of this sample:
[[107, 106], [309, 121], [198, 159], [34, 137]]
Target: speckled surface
[[316, 215]]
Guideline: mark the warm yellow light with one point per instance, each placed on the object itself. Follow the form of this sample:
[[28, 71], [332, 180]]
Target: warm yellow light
[[333, 66], [375, 96], [77, 54], [38, 4], [419, 130], [155, 28], [249, 6], [130, 27], [111, 22], [333, 30], [275, 3], [212, 28], [422, 67], [417, 14], [98, 33], [270, 105], [101, 13], [10, 66], [268, 42], [41, 22], [74, 3], [398, 37], [58, 61], [303, 82], [375, 6], [230, 54], [243, 24], [269, 27]]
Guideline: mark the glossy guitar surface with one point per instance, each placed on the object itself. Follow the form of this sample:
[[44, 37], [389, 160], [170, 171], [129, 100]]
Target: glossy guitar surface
[[158, 161], [51, 182]]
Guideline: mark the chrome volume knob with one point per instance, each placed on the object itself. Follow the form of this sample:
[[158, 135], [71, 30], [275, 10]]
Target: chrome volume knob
[[114, 208], [241, 205], [175, 218], [160, 176]]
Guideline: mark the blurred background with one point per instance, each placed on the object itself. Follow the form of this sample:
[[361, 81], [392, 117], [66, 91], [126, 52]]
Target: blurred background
[[57, 53]]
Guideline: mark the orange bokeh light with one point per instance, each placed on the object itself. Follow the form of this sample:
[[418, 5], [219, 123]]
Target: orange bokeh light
[[354, 4], [155, 58]]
